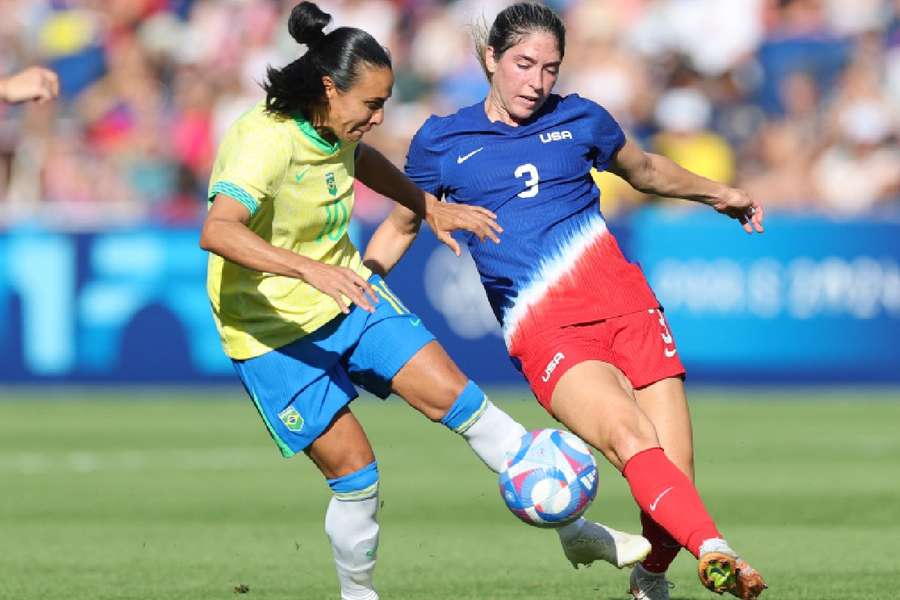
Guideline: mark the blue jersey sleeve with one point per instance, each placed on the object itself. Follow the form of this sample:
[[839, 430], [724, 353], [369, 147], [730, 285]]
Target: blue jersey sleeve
[[608, 136], [423, 164]]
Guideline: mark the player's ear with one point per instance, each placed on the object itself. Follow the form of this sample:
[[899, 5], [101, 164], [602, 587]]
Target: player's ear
[[330, 88], [490, 60]]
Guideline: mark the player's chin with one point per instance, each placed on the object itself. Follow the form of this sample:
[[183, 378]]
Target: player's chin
[[354, 135], [526, 107]]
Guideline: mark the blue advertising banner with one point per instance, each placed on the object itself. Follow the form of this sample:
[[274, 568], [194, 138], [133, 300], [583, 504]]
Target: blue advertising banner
[[810, 300], [122, 306]]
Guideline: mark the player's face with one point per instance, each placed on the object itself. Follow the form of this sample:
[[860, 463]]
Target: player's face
[[523, 76], [353, 113]]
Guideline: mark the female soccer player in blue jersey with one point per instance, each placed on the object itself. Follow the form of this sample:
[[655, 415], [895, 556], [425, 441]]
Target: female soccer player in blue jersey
[[282, 271], [579, 320]]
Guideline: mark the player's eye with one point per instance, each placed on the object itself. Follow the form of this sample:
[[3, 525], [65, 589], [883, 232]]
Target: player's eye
[[524, 67], [553, 70]]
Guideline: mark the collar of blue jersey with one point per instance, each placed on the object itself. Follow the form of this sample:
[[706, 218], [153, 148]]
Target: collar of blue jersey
[[548, 106], [309, 131]]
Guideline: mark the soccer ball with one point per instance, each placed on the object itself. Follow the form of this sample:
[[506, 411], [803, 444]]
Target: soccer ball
[[550, 479]]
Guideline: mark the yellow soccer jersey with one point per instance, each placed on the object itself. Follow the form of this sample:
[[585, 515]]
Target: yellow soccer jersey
[[299, 190]]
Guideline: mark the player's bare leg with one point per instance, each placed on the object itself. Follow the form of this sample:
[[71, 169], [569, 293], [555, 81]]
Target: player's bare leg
[[344, 456], [665, 403], [666, 406], [432, 384], [592, 400]]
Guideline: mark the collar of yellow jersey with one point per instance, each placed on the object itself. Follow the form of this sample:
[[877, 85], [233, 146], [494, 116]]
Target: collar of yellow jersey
[[309, 131]]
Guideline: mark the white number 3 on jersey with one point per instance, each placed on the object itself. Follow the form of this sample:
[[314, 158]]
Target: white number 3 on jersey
[[531, 183]]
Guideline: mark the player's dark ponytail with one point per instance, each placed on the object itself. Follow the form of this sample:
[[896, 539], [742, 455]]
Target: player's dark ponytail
[[514, 23], [297, 87], [307, 22]]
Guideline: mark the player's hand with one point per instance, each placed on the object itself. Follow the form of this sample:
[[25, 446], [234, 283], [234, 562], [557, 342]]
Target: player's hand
[[339, 283], [445, 218], [33, 84], [737, 204]]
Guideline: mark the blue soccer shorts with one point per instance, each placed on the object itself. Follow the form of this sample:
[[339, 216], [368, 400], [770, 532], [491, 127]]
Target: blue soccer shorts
[[300, 387]]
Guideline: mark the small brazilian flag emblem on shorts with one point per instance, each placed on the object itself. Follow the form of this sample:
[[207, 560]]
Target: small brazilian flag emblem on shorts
[[291, 419], [332, 186]]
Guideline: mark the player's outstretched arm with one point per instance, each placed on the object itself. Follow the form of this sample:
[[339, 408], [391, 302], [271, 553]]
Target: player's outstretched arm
[[225, 233], [33, 84], [655, 174], [380, 174]]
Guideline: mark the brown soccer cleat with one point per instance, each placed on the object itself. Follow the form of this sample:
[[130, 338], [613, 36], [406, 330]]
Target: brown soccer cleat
[[718, 572], [749, 584]]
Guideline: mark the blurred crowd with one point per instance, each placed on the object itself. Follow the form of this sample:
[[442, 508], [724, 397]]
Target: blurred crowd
[[797, 101]]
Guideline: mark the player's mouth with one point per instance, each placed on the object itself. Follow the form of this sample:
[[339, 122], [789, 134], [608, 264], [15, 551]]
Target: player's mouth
[[530, 101], [360, 131]]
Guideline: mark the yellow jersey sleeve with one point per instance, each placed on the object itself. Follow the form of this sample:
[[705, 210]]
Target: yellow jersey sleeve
[[251, 163]]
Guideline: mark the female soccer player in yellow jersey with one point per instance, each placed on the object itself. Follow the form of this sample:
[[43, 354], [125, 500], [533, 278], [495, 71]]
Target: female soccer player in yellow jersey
[[303, 319]]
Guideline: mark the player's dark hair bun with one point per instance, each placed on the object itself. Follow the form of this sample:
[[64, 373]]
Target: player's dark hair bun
[[298, 87], [307, 22]]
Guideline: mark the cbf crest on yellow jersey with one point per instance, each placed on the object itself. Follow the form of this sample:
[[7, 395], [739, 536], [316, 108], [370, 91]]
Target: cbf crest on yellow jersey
[[298, 188]]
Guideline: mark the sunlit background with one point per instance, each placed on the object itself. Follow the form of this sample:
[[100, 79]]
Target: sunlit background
[[795, 101], [133, 466]]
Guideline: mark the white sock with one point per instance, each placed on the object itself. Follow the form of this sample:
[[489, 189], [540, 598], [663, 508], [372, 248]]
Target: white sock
[[493, 435], [571, 531], [352, 527], [716, 545]]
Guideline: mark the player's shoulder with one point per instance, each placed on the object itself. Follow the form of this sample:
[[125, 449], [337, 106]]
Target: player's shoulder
[[438, 128], [257, 123], [577, 103]]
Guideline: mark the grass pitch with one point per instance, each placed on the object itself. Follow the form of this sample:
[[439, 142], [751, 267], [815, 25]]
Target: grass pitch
[[162, 495]]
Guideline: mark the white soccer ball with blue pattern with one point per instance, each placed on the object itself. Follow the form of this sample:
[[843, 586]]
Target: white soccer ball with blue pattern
[[550, 479]]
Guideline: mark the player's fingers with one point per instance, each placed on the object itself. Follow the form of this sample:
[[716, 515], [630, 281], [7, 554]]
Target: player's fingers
[[482, 228], [358, 298], [448, 240], [356, 292], [53, 79], [369, 293], [483, 210], [336, 296], [491, 218], [365, 287], [758, 214]]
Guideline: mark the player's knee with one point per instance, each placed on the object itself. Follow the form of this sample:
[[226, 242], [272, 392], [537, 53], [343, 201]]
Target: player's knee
[[631, 436], [361, 484], [468, 406]]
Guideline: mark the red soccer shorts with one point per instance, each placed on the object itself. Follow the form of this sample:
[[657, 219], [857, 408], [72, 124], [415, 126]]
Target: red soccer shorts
[[639, 344]]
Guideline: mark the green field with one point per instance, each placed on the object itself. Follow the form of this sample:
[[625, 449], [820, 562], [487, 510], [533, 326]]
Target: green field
[[171, 495]]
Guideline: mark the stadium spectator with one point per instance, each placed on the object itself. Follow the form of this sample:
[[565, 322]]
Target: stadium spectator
[[34, 84], [165, 77]]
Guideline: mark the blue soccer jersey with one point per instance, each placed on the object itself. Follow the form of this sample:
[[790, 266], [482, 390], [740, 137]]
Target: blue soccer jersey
[[557, 264]]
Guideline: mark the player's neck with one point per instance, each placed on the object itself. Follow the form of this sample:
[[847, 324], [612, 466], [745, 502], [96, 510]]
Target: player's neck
[[495, 111]]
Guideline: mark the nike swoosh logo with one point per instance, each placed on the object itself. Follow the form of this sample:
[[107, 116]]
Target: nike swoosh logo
[[299, 176], [461, 159], [658, 498], [416, 322]]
